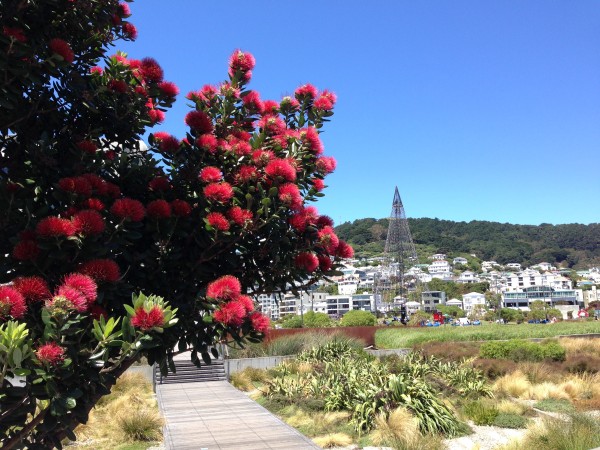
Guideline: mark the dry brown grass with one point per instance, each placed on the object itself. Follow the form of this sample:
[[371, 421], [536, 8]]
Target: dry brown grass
[[241, 381], [537, 372], [575, 346], [514, 384], [400, 425], [333, 440], [509, 407], [546, 390], [128, 414]]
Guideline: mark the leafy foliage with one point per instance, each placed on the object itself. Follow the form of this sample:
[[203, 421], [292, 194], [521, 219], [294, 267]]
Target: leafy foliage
[[517, 350], [358, 318]]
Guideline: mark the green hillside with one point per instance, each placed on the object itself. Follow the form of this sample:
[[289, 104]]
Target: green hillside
[[569, 245]]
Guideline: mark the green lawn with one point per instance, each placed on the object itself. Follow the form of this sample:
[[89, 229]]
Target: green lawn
[[400, 337]]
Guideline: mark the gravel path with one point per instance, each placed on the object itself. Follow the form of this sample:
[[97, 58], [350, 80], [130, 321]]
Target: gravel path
[[484, 438]]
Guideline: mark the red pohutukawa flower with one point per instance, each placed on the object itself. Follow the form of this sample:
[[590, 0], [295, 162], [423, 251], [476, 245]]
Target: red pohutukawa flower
[[160, 184], [219, 192], [156, 115], [123, 10], [281, 168], [246, 302], [74, 296], [307, 261], [305, 91], [166, 142], [146, 320], [159, 209], [231, 314], [130, 31], [15, 33], [168, 88], [181, 208], [252, 101], [93, 203], [33, 289], [311, 137], [128, 209], [225, 288], [208, 142], [325, 101], [326, 164], [62, 48], [50, 227], [199, 122], [270, 107], [328, 239], [26, 250], [101, 270], [289, 195], [242, 61], [288, 104], [87, 147], [304, 217], [151, 70], [344, 250], [117, 86], [88, 222], [260, 322], [50, 354], [210, 175], [240, 216], [218, 221], [262, 157], [325, 263], [272, 125], [246, 174], [324, 221], [84, 284], [318, 184], [12, 303]]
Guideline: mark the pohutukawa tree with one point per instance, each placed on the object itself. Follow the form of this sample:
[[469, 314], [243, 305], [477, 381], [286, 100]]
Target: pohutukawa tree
[[111, 251]]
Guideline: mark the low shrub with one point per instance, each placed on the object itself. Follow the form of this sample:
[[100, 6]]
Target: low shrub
[[554, 405], [240, 380], [495, 368], [481, 413], [357, 318], [518, 350], [449, 351], [582, 363], [507, 420]]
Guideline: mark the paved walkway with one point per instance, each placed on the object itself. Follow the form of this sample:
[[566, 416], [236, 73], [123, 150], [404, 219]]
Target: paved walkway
[[214, 415]]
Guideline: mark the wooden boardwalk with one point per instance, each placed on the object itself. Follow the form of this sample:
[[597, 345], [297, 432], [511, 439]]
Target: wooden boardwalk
[[214, 415]]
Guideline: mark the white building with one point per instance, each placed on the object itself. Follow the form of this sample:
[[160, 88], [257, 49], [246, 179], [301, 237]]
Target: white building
[[269, 304], [348, 287], [439, 267], [489, 265], [460, 260], [471, 299], [438, 257], [513, 266], [467, 277]]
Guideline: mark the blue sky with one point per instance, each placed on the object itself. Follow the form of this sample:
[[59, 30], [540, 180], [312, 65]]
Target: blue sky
[[475, 110]]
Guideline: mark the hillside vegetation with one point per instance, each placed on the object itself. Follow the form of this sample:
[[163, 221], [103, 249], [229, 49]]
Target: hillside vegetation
[[569, 245]]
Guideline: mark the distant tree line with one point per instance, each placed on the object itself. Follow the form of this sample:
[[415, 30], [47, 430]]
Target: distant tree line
[[569, 245]]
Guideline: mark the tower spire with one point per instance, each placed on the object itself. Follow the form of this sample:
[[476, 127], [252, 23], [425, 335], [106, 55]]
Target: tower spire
[[399, 256]]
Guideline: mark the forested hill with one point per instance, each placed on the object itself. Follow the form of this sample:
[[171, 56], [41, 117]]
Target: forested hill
[[571, 245]]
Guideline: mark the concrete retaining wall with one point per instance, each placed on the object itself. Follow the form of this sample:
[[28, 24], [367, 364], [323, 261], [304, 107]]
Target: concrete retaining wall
[[266, 362]]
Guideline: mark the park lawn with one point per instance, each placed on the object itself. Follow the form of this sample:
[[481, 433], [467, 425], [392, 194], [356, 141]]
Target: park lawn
[[402, 337]]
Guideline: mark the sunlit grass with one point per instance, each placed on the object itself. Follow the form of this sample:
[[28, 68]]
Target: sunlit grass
[[409, 336]]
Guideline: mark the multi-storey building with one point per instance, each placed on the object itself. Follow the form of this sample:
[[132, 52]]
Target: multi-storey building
[[431, 300]]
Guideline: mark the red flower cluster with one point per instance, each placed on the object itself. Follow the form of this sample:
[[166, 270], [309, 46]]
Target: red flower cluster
[[84, 284], [62, 48], [307, 261], [210, 175], [218, 221], [33, 289], [281, 168], [101, 270], [181, 208], [199, 122], [218, 192], [260, 322], [289, 195], [25, 250], [166, 142], [146, 320], [12, 303], [158, 209], [88, 222], [50, 354], [306, 91], [240, 216], [128, 209], [50, 227], [160, 184]]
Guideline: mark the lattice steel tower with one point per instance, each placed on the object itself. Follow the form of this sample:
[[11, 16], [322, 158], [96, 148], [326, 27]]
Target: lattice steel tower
[[399, 256]]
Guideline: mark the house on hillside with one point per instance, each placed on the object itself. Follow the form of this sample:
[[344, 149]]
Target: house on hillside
[[471, 299], [460, 260]]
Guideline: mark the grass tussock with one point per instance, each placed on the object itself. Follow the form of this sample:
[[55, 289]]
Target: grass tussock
[[332, 440], [580, 432], [539, 372], [575, 346], [514, 384], [510, 407], [241, 381], [314, 424], [129, 414], [399, 426]]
